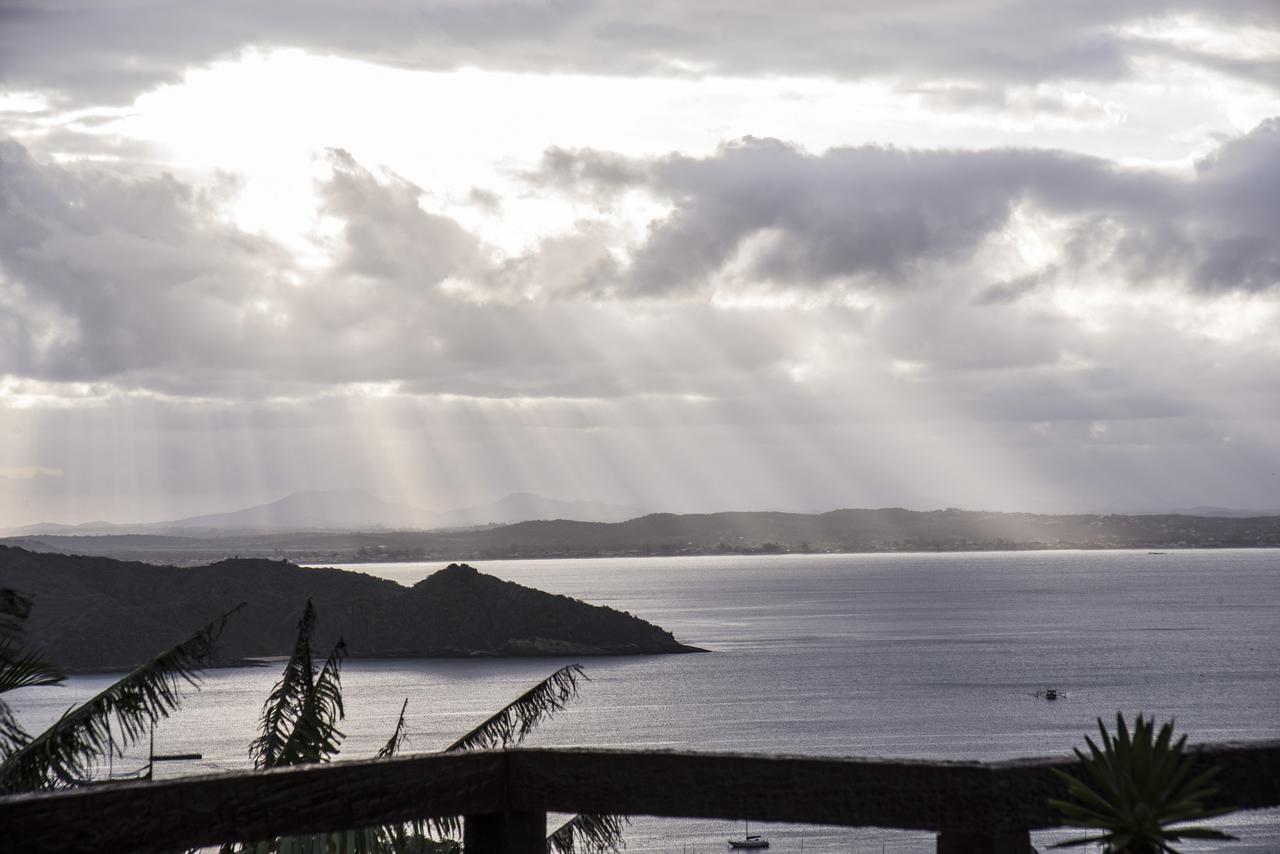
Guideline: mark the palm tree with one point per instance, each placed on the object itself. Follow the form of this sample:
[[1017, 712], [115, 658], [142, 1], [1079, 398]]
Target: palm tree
[[299, 719], [299, 725], [64, 754]]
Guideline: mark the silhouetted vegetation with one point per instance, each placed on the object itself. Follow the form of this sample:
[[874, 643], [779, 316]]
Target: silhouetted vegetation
[[1138, 791], [66, 752], [299, 726], [19, 668]]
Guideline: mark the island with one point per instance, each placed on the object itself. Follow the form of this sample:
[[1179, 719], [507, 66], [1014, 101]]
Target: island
[[100, 614]]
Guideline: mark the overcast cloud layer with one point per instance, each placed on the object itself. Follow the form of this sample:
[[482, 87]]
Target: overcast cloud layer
[[111, 51], [769, 323]]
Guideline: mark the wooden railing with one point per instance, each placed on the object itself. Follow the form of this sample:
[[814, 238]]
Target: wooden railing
[[505, 796]]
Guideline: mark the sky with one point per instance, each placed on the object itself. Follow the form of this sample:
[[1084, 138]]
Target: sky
[[694, 256]]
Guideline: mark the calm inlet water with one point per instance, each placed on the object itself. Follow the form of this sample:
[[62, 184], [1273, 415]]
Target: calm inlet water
[[909, 655]]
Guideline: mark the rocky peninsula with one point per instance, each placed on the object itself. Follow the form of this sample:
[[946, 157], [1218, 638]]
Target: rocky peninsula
[[99, 614]]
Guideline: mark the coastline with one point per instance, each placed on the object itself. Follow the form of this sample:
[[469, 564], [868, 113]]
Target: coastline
[[1154, 550], [865, 531]]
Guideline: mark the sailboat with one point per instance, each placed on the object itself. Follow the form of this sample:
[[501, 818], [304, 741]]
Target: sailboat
[[748, 840]]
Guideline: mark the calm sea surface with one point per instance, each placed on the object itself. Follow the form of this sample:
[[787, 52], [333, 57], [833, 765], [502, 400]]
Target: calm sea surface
[[907, 655]]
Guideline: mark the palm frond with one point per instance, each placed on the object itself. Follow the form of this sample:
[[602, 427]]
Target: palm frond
[[415, 835], [519, 717], [315, 736], [287, 697], [397, 740], [591, 831], [20, 671], [63, 754], [18, 668], [506, 728], [12, 735], [25, 669], [300, 716], [1137, 789], [1081, 840]]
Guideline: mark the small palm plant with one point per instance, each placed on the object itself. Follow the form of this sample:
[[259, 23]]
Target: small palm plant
[[1139, 790]]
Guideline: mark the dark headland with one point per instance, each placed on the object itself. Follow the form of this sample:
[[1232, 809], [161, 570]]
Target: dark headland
[[94, 613]]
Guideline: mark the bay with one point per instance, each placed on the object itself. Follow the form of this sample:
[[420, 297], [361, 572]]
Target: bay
[[908, 655]]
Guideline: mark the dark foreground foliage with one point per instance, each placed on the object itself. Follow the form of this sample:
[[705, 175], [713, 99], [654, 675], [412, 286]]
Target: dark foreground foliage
[[1138, 791]]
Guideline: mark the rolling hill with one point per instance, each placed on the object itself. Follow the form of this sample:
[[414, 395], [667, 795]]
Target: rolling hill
[[93, 613]]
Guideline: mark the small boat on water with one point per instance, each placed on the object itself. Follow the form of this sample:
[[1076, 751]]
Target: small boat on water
[[749, 840]]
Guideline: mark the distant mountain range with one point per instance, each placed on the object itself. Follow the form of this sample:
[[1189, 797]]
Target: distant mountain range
[[527, 507], [882, 530], [340, 509], [351, 510]]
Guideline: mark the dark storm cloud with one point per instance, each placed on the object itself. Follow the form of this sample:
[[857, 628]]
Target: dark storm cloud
[[94, 51], [889, 217], [871, 211], [1238, 200]]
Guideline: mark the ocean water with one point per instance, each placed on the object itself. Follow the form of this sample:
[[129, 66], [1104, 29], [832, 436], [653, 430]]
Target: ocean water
[[900, 655]]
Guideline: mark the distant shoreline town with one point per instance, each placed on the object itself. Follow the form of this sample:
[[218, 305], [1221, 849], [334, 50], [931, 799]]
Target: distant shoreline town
[[668, 534]]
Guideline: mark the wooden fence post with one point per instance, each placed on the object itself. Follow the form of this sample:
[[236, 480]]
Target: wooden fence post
[[505, 833]]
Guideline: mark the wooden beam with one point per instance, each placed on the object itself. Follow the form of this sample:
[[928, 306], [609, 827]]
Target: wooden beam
[[959, 799], [247, 806], [803, 789]]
